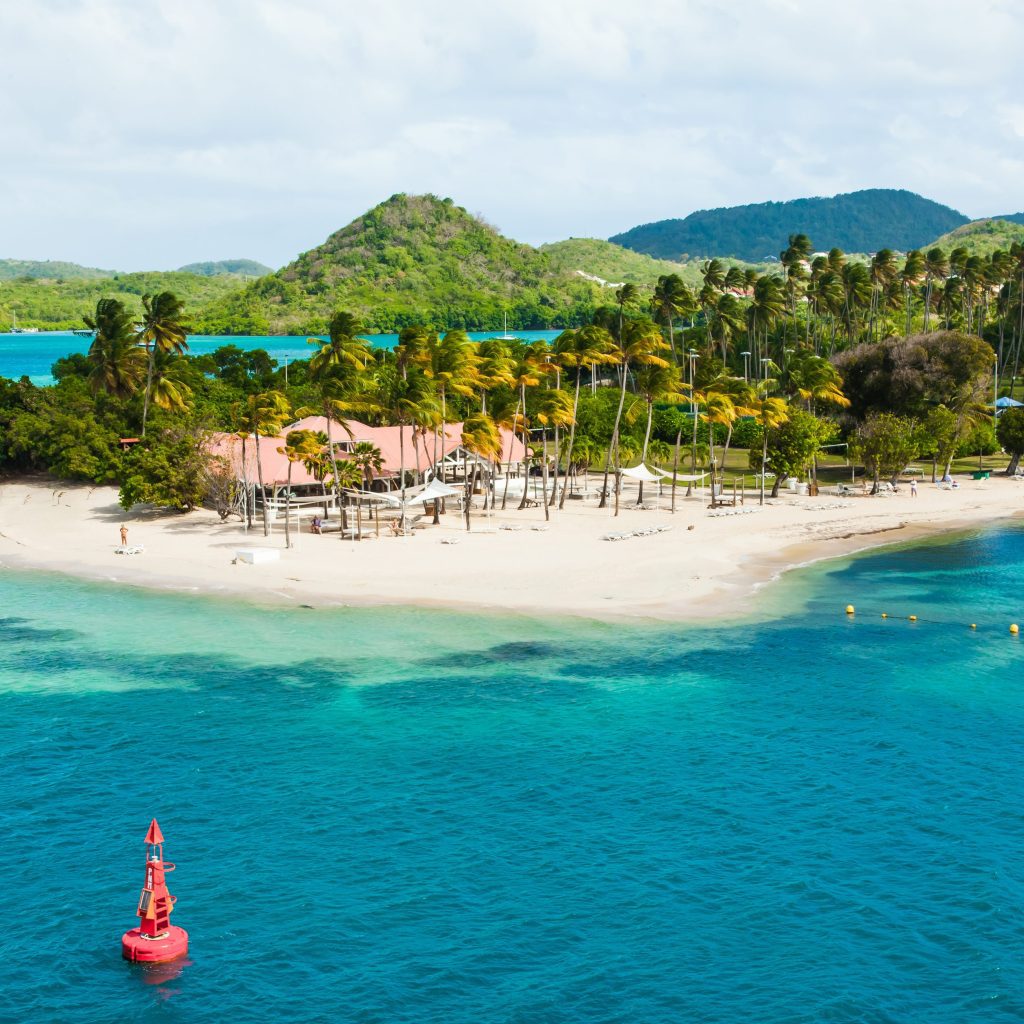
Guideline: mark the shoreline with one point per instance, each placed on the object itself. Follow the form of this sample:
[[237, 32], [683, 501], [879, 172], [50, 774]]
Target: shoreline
[[701, 569]]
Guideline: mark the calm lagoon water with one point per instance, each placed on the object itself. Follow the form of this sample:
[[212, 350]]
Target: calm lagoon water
[[32, 355], [401, 815]]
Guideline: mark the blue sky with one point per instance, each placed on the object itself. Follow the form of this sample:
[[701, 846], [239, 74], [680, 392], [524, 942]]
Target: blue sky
[[146, 134]]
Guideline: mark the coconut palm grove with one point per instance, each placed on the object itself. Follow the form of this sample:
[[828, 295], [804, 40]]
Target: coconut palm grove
[[881, 359]]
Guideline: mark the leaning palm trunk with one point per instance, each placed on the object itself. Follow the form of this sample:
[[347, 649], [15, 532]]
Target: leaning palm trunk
[[614, 446], [246, 517], [263, 490], [675, 466], [526, 454], [337, 488], [572, 439], [554, 481], [288, 509], [151, 353], [764, 458]]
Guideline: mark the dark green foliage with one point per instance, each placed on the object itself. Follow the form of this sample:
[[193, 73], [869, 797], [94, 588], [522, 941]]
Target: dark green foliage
[[61, 430], [169, 469], [909, 376], [1010, 432], [792, 446], [857, 222], [886, 443]]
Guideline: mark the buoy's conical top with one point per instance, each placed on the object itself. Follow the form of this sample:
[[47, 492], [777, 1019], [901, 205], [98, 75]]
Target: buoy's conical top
[[154, 836]]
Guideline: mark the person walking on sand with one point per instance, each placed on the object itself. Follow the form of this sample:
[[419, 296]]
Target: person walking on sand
[[913, 487], [124, 535]]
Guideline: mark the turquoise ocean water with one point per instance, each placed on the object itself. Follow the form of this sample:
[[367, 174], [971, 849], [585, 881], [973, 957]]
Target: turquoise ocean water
[[423, 816], [32, 355]]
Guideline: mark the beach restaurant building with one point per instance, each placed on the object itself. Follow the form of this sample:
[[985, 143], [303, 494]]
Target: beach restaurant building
[[419, 457]]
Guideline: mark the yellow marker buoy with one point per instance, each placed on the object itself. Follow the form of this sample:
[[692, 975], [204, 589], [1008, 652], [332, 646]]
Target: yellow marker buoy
[[849, 609], [885, 615], [974, 625], [1014, 628], [913, 618]]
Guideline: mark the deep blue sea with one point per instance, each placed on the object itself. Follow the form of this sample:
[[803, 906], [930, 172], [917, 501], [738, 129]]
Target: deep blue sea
[[32, 355], [422, 816]]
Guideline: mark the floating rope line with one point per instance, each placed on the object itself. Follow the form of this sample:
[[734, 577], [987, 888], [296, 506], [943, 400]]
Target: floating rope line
[[852, 613]]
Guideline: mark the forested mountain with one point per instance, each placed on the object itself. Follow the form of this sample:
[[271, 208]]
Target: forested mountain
[[61, 304], [49, 270], [411, 259], [982, 237], [857, 222], [218, 268]]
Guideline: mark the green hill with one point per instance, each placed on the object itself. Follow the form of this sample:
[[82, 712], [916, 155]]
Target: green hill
[[857, 222], [982, 237], [59, 305], [49, 270], [411, 259], [219, 268], [1014, 218], [611, 263], [614, 264]]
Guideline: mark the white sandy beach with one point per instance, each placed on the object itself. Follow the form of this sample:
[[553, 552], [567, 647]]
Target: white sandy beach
[[683, 573]]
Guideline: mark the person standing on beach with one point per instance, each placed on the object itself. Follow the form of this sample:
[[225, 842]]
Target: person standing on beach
[[124, 535], [913, 487]]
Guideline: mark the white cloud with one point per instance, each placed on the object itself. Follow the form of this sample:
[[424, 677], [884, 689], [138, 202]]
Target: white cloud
[[154, 132]]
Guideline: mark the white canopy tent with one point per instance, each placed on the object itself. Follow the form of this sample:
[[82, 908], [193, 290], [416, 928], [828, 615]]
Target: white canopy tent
[[432, 492]]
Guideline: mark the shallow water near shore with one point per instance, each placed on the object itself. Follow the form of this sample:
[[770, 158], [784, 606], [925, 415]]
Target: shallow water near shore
[[410, 815]]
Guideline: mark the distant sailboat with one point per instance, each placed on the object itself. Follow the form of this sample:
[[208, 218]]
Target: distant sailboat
[[506, 336], [15, 329]]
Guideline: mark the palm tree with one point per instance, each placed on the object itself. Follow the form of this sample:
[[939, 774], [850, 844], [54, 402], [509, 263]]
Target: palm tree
[[626, 295], [770, 412], [367, 456], [856, 281], [299, 446], [452, 365], [533, 362], [407, 398], [338, 369], [343, 350], [556, 410], [639, 345], [162, 329], [116, 362], [262, 414], [910, 277], [168, 382], [577, 350], [672, 299], [883, 272], [479, 435], [936, 268], [656, 383], [817, 380], [494, 365]]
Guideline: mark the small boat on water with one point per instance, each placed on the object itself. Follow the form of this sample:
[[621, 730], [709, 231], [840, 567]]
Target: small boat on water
[[506, 336]]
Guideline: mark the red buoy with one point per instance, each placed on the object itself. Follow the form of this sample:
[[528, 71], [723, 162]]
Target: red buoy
[[156, 940]]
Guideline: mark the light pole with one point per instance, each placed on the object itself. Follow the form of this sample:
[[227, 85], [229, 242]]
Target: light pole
[[746, 367], [693, 356], [764, 424]]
